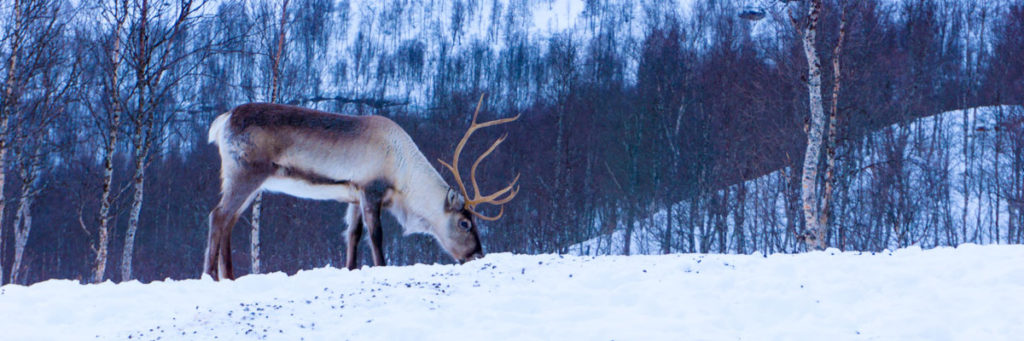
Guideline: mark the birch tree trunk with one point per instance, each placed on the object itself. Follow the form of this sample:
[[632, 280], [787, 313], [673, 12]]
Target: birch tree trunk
[[139, 139], [138, 182], [815, 235], [23, 218], [254, 235], [22, 227], [103, 241], [830, 146], [141, 150], [8, 105], [154, 52]]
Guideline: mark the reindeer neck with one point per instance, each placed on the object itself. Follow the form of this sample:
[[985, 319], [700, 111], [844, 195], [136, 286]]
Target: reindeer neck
[[420, 187]]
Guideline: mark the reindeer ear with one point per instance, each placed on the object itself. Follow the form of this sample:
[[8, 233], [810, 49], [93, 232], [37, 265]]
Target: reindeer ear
[[453, 201]]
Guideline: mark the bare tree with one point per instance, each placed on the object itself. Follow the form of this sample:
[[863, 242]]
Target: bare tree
[[54, 75], [157, 52], [830, 143], [15, 35], [815, 235], [109, 54], [30, 86], [817, 205]]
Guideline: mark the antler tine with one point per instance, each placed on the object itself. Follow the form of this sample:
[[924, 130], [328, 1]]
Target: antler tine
[[477, 111], [489, 218], [494, 122], [509, 192], [491, 198], [512, 191], [474, 125], [472, 170]]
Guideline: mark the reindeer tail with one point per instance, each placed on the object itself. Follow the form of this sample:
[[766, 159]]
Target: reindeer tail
[[217, 127]]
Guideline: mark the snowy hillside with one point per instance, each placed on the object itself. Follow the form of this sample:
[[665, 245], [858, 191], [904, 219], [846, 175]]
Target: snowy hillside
[[956, 162], [423, 37], [969, 293]]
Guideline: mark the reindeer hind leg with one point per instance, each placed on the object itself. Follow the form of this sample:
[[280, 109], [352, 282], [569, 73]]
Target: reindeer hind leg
[[238, 191], [371, 219]]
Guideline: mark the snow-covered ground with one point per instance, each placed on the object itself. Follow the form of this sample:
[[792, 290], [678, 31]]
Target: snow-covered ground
[[968, 293]]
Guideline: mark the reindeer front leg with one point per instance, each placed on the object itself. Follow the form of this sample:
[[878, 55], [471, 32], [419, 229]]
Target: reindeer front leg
[[371, 218], [372, 200]]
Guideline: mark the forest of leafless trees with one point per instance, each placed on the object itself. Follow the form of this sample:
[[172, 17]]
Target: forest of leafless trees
[[675, 123]]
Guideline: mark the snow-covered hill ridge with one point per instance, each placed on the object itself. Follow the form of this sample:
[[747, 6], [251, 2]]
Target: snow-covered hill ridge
[[968, 293]]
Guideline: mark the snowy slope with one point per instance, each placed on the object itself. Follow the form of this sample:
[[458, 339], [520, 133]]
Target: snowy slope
[[965, 142], [969, 293], [374, 35]]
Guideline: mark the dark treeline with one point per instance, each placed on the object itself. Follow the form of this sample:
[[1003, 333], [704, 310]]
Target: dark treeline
[[652, 126]]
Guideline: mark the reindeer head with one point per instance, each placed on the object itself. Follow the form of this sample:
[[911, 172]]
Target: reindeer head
[[461, 238]]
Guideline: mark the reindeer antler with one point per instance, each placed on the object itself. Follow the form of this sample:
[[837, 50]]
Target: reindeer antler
[[500, 197]]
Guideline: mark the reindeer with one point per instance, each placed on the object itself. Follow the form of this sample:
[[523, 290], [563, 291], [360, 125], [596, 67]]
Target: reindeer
[[368, 162]]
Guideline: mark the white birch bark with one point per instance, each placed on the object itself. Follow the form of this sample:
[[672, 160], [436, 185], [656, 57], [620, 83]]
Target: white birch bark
[[23, 217], [142, 56], [9, 104], [830, 146], [103, 241], [151, 58], [139, 182], [22, 227], [815, 236], [254, 236]]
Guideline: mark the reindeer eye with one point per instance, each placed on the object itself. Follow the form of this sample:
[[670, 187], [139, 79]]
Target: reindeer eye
[[464, 224]]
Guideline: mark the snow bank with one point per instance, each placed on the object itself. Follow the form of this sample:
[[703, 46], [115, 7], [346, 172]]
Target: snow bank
[[972, 292]]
